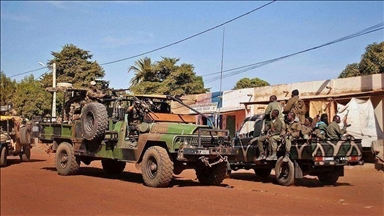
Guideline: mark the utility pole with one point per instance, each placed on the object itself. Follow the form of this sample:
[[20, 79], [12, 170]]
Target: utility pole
[[54, 93], [221, 82]]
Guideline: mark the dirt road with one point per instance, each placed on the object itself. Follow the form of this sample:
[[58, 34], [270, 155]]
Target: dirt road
[[35, 188]]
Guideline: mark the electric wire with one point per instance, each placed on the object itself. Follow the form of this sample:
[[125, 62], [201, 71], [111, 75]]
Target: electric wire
[[249, 67]]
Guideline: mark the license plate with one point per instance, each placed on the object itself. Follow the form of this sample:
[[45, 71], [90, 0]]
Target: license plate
[[343, 158], [203, 152], [328, 158]]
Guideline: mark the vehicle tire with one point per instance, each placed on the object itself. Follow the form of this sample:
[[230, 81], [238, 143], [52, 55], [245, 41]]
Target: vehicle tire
[[25, 136], [113, 167], [262, 173], [26, 153], [66, 161], [94, 121], [157, 167], [328, 178], [211, 175], [3, 158], [285, 172]]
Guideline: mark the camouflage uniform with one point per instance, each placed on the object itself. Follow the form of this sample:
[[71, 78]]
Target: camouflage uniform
[[297, 106], [93, 95], [306, 131], [334, 132], [274, 135], [293, 132]]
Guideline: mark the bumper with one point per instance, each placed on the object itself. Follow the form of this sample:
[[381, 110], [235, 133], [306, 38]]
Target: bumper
[[207, 151]]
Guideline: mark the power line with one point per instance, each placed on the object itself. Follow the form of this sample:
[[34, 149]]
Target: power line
[[249, 67], [27, 72], [174, 43], [190, 37]]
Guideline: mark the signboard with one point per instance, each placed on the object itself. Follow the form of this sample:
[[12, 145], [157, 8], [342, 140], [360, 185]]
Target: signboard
[[204, 108]]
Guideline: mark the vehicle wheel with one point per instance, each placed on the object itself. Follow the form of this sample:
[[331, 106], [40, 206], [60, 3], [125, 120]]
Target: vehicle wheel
[[94, 121], [157, 167], [25, 136], [285, 172], [26, 153], [4, 154], [328, 178], [211, 175], [113, 167], [263, 173], [66, 161]]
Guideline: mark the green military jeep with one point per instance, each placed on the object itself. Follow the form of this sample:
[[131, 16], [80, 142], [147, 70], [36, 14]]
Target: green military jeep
[[322, 158], [160, 143]]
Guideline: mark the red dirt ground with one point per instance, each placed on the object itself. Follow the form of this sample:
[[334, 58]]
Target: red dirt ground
[[35, 188]]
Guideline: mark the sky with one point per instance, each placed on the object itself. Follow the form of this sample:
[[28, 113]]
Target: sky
[[32, 30]]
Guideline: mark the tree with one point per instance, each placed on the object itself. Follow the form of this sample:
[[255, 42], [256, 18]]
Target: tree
[[350, 70], [30, 98], [250, 83], [7, 89], [165, 77], [372, 62], [73, 65]]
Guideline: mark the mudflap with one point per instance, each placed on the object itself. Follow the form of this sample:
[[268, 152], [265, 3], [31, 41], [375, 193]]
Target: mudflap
[[298, 171]]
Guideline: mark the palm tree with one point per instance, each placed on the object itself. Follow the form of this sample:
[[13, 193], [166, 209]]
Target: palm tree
[[142, 69]]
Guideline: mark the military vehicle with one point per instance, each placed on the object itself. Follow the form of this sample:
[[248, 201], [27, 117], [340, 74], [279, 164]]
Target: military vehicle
[[322, 158], [160, 143], [14, 137]]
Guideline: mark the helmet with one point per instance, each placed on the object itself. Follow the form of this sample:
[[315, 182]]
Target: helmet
[[92, 83]]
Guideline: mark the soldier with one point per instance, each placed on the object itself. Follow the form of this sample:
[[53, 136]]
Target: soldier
[[333, 130], [293, 132], [273, 134], [274, 105], [94, 93], [297, 106], [306, 128]]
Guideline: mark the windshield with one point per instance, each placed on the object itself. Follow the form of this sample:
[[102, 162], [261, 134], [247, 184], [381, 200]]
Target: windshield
[[247, 127]]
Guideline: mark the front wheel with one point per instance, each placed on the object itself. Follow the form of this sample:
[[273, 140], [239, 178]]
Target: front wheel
[[157, 167], [328, 178], [3, 158], [66, 161], [113, 167], [211, 175], [285, 172]]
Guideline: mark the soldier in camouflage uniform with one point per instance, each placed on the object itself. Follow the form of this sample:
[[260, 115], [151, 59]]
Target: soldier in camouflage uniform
[[333, 130], [306, 128], [297, 106], [293, 132], [274, 105], [93, 93]]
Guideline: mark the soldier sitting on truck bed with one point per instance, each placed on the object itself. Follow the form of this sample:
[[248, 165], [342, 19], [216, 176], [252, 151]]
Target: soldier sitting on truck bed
[[273, 135], [334, 132], [293, 132]]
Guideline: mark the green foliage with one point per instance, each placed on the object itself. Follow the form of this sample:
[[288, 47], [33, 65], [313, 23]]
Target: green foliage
[[165, 77], [7, 89], [350, 71], [73, 65], [30, 98], [250, 83], [372, 62]]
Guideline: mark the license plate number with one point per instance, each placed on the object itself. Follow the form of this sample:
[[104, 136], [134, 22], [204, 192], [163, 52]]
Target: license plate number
[[328, 158]]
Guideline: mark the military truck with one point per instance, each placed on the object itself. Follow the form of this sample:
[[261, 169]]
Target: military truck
[[14, 138], [161, 144], [322, 158]]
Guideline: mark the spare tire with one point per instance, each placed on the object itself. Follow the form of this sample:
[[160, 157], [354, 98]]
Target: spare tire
[[25, 136], [94, 121]]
